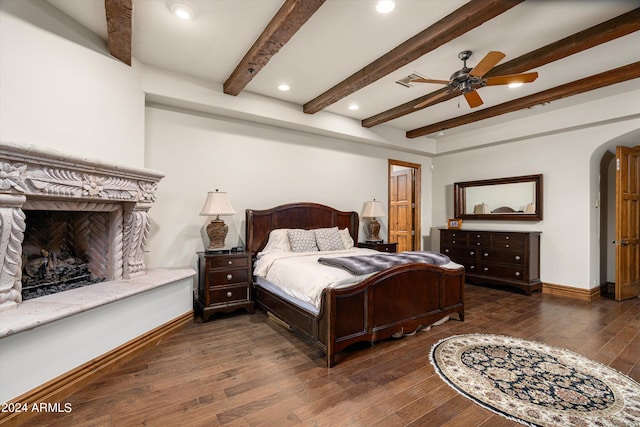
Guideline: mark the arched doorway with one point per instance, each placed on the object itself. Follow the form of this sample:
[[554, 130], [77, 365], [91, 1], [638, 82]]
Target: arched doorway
[[609, 209]]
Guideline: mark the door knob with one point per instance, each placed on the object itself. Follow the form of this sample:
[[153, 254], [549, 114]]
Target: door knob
[[621, 242]]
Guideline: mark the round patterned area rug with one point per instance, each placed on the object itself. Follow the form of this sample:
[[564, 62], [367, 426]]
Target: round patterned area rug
[[536, 384]]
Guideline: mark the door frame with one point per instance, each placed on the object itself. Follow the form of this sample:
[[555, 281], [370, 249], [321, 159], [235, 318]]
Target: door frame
[[417, 200]]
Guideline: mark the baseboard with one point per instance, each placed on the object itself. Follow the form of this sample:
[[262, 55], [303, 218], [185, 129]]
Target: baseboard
[[571, 292], [61, 387]]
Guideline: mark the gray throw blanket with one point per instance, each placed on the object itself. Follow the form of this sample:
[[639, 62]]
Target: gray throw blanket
[[365, 264]]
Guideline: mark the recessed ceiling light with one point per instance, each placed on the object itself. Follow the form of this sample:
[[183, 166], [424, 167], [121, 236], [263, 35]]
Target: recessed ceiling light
[[284, 87], [353, 107], [514, 85], [182, 10], [385, 6]]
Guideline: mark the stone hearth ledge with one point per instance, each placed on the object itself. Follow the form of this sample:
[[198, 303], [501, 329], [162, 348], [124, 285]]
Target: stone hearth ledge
[[46, 309]]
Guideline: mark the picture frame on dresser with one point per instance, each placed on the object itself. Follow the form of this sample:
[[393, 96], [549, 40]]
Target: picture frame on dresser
[[454, 224]]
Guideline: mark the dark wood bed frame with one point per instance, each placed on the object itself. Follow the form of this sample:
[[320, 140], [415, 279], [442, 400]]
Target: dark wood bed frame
[[397, 300]]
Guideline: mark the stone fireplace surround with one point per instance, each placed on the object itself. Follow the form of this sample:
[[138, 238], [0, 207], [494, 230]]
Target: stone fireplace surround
[[101, 322], [31, 179]]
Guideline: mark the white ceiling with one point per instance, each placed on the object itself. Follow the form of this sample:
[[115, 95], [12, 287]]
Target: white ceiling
[[345, 35]]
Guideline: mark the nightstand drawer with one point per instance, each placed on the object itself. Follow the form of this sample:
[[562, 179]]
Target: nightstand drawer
[[229, 294], [228, 262], [228, 277]]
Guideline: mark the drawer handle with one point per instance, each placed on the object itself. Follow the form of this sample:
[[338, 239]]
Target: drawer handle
[[446, 250], [453, 234], [229, 294], [478, 236], [517, 257], [478, 244], [506, 246], [453, 242], [229, 276], [517, 273], [486, 254], [486, 269], [472, 253], [230, 262], [507, 238], [473, 267]]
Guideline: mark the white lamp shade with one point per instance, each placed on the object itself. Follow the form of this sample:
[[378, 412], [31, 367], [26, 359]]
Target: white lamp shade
[[217, 203], [372, 209]]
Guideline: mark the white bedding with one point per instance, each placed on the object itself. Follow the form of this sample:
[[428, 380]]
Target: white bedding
[[300, 275]]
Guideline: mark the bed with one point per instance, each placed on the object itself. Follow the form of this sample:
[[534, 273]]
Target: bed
[[393, 302]]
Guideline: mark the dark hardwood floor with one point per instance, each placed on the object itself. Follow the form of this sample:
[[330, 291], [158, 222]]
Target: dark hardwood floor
[[246, 370]]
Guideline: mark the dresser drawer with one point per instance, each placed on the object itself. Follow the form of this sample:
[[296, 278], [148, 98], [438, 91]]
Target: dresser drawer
[[458, 240], [470, 267], [508, 272], [228, 262], [503, 256], [505, 238], [228, 277], [478, 239], [455, 252], [229, 294]]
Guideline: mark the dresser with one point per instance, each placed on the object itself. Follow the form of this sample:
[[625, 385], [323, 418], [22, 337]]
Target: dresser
[[224, 283], [496, 257]]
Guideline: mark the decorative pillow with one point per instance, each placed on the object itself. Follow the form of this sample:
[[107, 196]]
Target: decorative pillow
[[302, 240], [278, 241], [346, 238], [329, 239]]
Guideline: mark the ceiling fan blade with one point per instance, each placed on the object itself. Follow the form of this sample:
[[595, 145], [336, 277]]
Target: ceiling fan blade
[[473, 99], [430, 99], [487, 63], [421, 80], [512, 78]]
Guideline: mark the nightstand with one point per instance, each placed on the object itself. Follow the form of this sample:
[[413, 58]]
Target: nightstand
[[382, 247], [224, 283]]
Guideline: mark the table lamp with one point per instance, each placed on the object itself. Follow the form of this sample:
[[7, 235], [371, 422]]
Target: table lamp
[[373, 209], [217, 204]]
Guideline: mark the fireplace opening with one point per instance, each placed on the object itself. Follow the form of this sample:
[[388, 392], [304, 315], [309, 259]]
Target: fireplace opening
[[63, 250]]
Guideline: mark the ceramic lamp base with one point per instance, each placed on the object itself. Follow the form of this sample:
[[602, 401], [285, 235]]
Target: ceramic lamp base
[[217, 232]]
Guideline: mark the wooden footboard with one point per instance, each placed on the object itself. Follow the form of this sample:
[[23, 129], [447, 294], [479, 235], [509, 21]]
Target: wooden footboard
[[395, 301]]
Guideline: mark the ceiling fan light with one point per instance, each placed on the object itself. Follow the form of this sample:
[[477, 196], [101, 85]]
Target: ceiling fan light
[[385, 6]]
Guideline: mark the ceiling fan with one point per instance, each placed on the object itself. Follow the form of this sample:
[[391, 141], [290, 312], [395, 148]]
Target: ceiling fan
[[467, 80]]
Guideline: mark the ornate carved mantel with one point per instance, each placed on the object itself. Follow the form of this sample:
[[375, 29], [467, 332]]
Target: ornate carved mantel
[[32, 179]]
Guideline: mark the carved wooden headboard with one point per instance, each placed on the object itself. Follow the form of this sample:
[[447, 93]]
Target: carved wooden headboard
[[259, 223]]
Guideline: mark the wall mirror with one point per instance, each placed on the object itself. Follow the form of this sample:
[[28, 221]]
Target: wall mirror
[[517, 198]]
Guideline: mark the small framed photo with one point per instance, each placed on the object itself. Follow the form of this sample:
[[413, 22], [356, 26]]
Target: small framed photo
[[454, 223]]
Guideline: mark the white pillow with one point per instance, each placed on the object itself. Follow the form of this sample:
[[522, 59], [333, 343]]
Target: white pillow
[[302, 240], [329, 239], [346, 238], [278, 242]]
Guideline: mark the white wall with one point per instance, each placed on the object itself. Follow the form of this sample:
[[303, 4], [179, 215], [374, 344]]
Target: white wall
[[64, 94], [260, 167], [570, 227]]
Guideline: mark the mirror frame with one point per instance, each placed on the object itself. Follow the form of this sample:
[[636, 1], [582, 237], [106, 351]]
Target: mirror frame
[[459, 199]]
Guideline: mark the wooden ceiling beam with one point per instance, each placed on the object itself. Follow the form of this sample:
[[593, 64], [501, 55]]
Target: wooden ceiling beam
[[462, 20], [119, 22], [285, 23], [619, 26], [617, 75]]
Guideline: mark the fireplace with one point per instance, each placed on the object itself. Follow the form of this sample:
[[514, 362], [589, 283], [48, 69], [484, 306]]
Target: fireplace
[[68, 222]]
